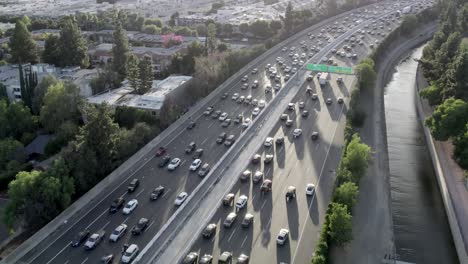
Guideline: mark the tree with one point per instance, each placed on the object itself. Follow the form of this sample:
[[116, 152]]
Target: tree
[[133, 72], [211, 38], [275, 25], [366, 74], [27, 85], [131, 140], [244, 28], [151, 29], [227, 29], [3, 92], [357, 155], [288, 18], [10, 149], [346, 194], [222, 47], [173, 19], [448, 119], [51, 53], [409, 23], [23, 47], [60, 171], [61, 103], [260, 28], [105, 80], [340, 224], [169, 112], [120, 52], [16, 120], [432, 94], [201, 30], [461, 148], [332, 7], [154, 21], [145, 80], [73, 46]]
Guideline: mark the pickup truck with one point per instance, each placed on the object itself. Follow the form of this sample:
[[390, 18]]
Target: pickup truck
[[94, 240]]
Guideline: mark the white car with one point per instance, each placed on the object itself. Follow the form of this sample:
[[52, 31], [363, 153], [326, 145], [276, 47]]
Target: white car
[[242, 201], [297, 132], [246, 123], [181, 198], [268, 142], [261, 103], [175, 162], [130, 206], [130, 253], [282, 236], [223, 116], [118, 232], [195, 164], [235, 96], [310, 189], [256, 111]]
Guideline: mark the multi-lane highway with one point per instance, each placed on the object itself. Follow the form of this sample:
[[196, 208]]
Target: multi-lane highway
[[298, 162]]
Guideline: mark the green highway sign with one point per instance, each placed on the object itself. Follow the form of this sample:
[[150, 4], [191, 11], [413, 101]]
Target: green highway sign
[[317, 67], [339, 69], [326, 68]]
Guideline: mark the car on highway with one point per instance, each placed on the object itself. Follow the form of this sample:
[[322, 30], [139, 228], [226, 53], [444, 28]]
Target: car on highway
[[130, 253], [268, 158], [206, 259], [282, 237], [297, 132], [238, 118], [291, 106], [208, 111], [261, 103], [301, 105], [191, 125], [305, 113], [242, 201], [180, 199], [257, 177], [223, 116], [107, 259], [175, 162], [220, 139], [310, 77], [245, 176], [228, 199], [198, 153], [315, 135], [116, 205], [314, 96], [254, 71], [160, 151], [130, 206], [230, 219], [248, 219], [226, 122], [279, 141], [246, 123], [243, 259], [190, 148], [230, 140], [310, 189], [118, 232], [255, 84], [80, 238], [204, 170], [133, 185], [215, 114], [256, 111], [245, 78], [339, 79], [164, 161], [288, 123], [157, 192], [140, 226], [235, 96], [209, 230], [290, 193], [340, 100], [195, 164], [191, 258], [256, 158], [241, 99], [225, 258], [268, 142], [94, 240], [284, 117], [266, 186]]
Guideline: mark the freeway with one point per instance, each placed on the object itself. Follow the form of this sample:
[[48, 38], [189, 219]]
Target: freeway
[[56, 248]]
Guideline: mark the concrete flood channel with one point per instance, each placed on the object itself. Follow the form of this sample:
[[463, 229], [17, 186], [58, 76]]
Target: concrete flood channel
[[421, 230]]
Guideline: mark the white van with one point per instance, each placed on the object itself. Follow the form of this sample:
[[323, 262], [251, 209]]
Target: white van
[[130, 254]]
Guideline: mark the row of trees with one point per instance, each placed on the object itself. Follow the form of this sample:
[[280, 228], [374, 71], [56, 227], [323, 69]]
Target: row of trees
[[445, 64]]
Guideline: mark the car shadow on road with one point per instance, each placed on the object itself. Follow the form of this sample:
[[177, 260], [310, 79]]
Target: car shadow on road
[[265, 216], [312, 204], [293, 218], [283, 253]]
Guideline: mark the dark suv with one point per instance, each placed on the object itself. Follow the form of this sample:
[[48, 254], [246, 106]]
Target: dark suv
[[116, 204], [191, 147], [133, 185]]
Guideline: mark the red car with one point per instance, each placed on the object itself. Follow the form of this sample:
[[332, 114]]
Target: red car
[[161, 151]]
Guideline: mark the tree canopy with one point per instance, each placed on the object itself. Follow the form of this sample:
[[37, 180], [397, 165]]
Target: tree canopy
[[340, 224], [23, 47], [72, 45], [449, 119]]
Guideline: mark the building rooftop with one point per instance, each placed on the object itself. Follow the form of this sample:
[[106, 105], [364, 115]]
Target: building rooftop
[[153, 100]]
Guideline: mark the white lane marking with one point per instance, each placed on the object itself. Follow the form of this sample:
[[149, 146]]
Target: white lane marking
[[203, 142], [60, 252], [243, 241], [121, 196], [66, 262], [233, 232], [253, 196], [150, 225], [317, 185], [268, 171], [138, 194], [268, 224], [316, 147], [263, 205], [210, 125], [182, 163], [105, 211], [105, 225], [126, 219], [168, 190], [86, 259]]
